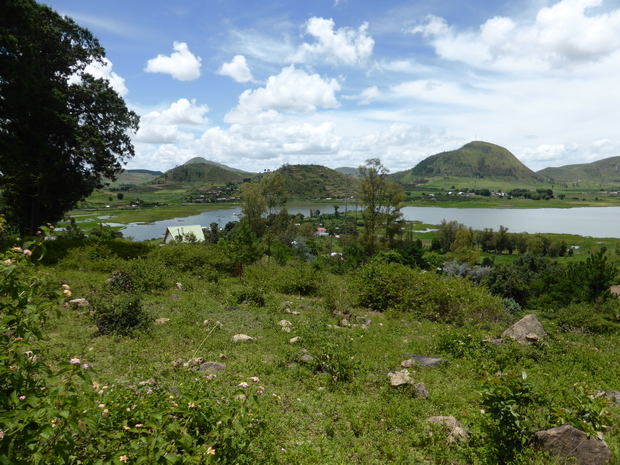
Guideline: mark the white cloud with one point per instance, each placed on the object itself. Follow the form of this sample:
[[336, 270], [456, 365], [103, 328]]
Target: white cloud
[[345, 45], [181, 65], [291, 91], [162, 127], [237, 69], [104, 71], [367, 96], [561, 36]]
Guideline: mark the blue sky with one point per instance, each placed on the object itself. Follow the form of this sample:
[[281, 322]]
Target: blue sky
[[255, 85]]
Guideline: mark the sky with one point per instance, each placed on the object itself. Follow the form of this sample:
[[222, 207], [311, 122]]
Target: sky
[[255, 85]]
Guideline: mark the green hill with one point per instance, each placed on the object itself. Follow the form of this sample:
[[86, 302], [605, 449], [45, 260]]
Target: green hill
[[476, 160], [200, 160], [601, 171], [199, 173], [135, 177], [314, 181]]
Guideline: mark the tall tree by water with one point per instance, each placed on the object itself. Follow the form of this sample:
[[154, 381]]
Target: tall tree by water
[[62, 131], [382, 201]]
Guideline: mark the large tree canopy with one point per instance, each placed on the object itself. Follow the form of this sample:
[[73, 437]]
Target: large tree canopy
[[62, 131]]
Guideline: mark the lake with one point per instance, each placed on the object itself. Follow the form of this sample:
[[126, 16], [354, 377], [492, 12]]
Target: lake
[[586, 221]]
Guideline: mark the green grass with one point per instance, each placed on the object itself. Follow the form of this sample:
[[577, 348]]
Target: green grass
[[309, 416]]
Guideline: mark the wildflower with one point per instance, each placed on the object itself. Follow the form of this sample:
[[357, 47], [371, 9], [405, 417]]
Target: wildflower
[[17, 249], [8, 262], [191, 405], [219, 423], [22, 397], [123, 458], [254, 379], [27, 253], [18, 339], [260, 390], [56, 422], [243, 385], [105, 413], [210, 451], [100, 392], [13, 367], [85, 366], [75, 361], [101, 406], [67, 293], [126, 427], [66, 287], [1, 434], [139, 425]]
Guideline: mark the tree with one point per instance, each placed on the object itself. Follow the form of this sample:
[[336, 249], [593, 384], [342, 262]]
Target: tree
[[62, 131], [381, 198]]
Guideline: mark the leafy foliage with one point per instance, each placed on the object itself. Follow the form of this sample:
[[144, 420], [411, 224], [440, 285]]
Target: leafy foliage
[[66, 127]]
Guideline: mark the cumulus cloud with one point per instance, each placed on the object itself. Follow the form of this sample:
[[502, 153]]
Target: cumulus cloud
[[163, 127], [345, 45], [237, 69], [291, 91], [367, 96], [182, 64], [562, 35], [103, 71]]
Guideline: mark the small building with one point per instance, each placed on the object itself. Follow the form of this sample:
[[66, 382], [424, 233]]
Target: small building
[[184, 233], [321, 232]]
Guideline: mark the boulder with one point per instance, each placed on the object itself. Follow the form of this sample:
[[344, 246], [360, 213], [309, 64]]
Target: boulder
[[242, 338], [525, 331], [456, 431], [79, 302], [161, 321], [400, 378], [428, 361], [420, 390], [570, 443], [409, 363], [294, 340], [212, 367]]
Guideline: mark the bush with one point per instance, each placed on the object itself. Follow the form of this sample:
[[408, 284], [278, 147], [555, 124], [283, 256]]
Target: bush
[[301, 279], [393, 286], [120, 314], [587, 318]]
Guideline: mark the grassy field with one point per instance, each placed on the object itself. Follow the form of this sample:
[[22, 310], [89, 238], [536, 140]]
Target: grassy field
[[336, 406]]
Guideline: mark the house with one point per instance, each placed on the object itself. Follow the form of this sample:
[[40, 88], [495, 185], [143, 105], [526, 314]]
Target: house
[[173, 233], [321, 232]]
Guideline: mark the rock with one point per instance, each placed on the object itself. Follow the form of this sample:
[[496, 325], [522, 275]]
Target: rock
[[428, 361], [161, 321], [286, 303], [180, 287], [294, 340], [295, 313], [420, 390], [456, 431], [194, 362], [79, 302], [242, 338], [212, 367], [286, 329], [525, 331], [400, 378], [344, 322], [568, 442], [614, 396], [223, 356], [233, 307], [285, 323], [178, 362], [409, 363], [174, 297], [148, 382], [217, 324], [307, 358]]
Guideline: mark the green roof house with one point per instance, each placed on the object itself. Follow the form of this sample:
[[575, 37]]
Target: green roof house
[[184, 234]]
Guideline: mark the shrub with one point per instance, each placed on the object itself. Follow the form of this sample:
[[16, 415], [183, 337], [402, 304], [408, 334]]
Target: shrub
[[588, 318], [301, 279], [121, 314], [397, 287]]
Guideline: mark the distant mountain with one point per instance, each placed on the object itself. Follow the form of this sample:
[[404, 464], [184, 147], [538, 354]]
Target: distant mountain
[[200, 173], [601, 171], [476, 160], [135, 177], [348, 170], [199, 160], [314, 181]]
